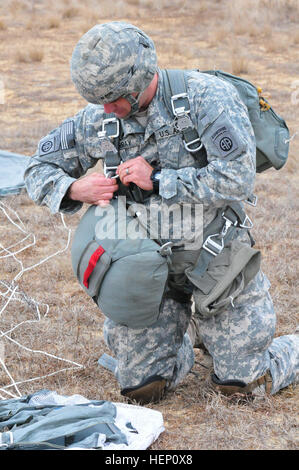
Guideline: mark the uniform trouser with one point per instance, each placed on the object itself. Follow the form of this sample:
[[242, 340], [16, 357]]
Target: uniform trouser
[[239, 339]]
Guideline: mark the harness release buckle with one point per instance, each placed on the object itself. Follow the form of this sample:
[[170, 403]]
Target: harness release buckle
[[227, 225], [181, 107], [109, 171], [213, 247], [111, 127]]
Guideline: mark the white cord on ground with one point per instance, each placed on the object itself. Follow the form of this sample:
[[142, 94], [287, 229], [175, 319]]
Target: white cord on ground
[[12, 293], [9, 375]]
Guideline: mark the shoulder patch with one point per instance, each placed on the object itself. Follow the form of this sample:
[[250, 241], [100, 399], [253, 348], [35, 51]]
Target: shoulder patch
[[49, 144], [223, 139], [67, 135]]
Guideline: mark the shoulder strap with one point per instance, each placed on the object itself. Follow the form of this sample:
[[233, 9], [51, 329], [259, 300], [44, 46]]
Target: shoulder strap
[[175, 92], [174, 82]]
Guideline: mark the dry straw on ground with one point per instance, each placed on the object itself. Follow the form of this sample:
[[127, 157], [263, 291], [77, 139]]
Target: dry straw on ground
[[30, 55], [230, 35]]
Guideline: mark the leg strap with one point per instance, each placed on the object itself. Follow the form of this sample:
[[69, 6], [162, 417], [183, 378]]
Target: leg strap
[[151, 391], [229, 387]]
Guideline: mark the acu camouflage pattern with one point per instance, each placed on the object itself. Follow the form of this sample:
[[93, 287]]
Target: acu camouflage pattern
[[239, 340], [161, 350], [112, 60]]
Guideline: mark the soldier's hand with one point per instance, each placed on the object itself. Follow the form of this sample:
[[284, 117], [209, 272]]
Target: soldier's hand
[[93, 189], [138, 171]]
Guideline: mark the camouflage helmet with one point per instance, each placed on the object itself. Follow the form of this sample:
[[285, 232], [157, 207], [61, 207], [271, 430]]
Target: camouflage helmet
[[113, 60]]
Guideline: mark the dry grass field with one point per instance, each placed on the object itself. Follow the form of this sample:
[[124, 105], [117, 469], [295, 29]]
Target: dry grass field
[[257, 39]]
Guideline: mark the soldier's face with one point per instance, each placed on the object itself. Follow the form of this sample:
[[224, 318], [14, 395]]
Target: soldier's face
[[120, 107]]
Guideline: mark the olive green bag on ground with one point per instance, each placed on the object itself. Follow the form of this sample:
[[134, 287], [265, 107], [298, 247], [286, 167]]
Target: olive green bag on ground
[[126, 277]]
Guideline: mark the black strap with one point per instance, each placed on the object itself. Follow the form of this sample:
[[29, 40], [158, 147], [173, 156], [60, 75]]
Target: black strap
[[112, 159]]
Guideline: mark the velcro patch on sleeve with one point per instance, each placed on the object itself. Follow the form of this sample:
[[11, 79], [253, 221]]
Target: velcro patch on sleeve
[[223, 139], [49, 144], [67, 135]]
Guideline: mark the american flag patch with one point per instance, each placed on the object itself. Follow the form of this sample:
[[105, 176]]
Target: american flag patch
[[67, 136]]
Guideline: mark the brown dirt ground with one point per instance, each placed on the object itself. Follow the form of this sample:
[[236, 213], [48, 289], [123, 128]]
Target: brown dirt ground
[[257, 39]]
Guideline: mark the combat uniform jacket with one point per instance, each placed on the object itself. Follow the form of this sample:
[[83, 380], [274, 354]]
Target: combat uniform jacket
[[216, 111]]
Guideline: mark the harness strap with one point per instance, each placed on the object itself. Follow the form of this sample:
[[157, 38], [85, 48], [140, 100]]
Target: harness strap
[[177, 102], [110, 131]]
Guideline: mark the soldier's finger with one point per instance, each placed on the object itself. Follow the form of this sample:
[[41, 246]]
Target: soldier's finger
[[128, 179], [124, 170], [106, 196], [102, 203], [107, 182]]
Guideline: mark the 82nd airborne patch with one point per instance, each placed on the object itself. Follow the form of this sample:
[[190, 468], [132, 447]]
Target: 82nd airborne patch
[[222, 138]]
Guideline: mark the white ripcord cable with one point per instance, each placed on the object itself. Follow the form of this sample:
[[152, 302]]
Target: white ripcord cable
[[12, 293]]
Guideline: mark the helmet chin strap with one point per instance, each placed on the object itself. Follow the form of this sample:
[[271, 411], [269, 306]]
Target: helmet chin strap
[[134, 102]]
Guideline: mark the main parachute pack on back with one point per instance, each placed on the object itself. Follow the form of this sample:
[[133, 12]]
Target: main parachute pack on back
[[271, 131]]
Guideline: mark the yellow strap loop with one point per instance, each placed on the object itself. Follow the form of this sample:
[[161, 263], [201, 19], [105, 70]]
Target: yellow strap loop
[[264, 106]]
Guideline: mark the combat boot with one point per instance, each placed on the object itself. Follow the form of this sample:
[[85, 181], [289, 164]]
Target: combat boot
[[151, 391], [258, 387]]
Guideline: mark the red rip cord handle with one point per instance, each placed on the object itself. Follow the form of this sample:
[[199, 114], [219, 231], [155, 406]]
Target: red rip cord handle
[[92, 264]]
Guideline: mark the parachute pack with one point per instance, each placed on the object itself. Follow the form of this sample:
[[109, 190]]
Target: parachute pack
[[271, 131]]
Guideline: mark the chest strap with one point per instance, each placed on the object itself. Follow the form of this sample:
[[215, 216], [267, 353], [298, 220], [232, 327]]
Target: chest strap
[[110, 136]]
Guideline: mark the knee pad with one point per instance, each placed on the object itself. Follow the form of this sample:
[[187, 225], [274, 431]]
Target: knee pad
[[150, 391]]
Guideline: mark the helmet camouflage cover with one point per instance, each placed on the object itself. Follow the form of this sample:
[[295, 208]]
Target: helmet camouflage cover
[[113, 60]]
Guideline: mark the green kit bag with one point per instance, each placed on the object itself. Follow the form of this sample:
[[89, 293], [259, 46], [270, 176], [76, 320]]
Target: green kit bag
[[226, 277], [118, 266]]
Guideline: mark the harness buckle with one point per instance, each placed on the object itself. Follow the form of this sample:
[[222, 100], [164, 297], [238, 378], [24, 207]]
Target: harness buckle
[[252, 200], [213, 247], [109, 171], [182, 109], [186, 145], [165, 249], [111, 123], [247, 223], [227, 225]]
